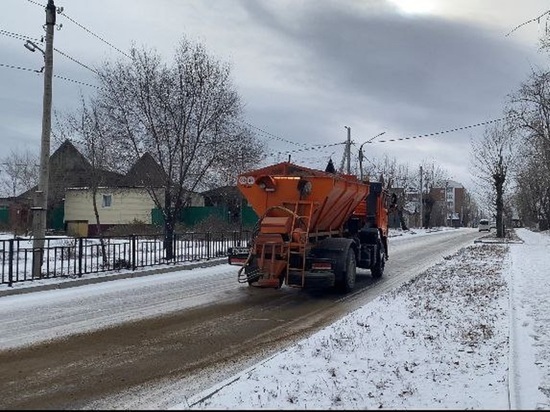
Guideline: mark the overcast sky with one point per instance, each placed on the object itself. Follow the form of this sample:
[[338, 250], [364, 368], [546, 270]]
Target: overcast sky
[[305, 69]]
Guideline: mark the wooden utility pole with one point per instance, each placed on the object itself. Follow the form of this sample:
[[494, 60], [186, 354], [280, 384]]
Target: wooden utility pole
[[41, 196]]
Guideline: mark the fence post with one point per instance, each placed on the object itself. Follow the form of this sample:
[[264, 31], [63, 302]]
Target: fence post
[[10, 265], [134, 251], [80, 253], [208, 246], [174, 248]]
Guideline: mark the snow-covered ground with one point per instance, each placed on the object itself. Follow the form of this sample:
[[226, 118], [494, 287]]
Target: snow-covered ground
[[472, 332]]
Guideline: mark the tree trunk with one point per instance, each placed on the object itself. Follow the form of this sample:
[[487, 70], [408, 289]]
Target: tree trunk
[[499, 202], [169, 223], [98, 227]]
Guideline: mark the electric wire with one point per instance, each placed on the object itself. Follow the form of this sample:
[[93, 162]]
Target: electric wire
[[38, 4], [10, 66], [17, 35], [537, 19], [95, 35], [272, 135], [83, 28], [441, 132]]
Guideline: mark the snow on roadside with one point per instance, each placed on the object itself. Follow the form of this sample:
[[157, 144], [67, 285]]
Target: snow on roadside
[[530, 320], [439, 341]]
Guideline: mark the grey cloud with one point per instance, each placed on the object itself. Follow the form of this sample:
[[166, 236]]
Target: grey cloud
[[430, 65]]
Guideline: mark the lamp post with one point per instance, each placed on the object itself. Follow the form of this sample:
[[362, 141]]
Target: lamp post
[[361, 156]]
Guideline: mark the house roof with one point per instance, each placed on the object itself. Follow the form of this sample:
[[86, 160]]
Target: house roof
[[146, 172], [222, 192]]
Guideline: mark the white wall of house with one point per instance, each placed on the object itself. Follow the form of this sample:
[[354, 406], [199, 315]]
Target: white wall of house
[[115, 205]]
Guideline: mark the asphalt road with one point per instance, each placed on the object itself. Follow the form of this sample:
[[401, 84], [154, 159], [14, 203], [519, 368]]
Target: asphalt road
[[155, 362]]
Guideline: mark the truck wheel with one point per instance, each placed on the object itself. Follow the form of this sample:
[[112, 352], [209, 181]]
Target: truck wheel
[[348, 283], [378, 269]]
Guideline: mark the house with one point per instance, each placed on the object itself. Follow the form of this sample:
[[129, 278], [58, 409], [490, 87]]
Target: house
[[121, 198], [126, 200], [115, 206]]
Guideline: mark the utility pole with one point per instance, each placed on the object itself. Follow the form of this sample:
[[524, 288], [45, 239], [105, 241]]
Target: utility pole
[[348, 151], [421, 200], [41, 196]]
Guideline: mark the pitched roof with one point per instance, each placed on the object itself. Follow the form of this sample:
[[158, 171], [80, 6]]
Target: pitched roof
[[146, 172]]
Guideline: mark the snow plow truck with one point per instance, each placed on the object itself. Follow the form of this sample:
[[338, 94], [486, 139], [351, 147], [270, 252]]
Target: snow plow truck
[[315, 228]]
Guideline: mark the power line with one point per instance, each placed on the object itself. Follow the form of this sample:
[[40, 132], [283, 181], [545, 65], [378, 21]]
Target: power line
[[537, 19], [10, 66], [76, 81], [16, 35], [305, 149], [59, 11], [272, 135], [38, 4], [93, 34], [442, 132], [76, 61]]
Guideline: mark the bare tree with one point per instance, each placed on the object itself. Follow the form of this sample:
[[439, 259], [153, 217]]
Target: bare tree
[[398, 175], [493, 158], [530, 113], [246, 156], [88, 131], [19, 172], [394, 175], [433, 176], [184, 114]]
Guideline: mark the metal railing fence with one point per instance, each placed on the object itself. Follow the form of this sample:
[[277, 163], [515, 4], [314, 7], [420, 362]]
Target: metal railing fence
[[74, 257]]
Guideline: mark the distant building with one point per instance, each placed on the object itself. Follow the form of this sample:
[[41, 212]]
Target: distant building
[[451, 199]]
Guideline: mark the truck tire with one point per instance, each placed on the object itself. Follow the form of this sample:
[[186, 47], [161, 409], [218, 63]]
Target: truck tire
[[378, 269], [348, 282]]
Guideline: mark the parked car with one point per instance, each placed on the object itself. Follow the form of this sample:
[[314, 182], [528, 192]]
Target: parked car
[[483, 225], [493, 225]]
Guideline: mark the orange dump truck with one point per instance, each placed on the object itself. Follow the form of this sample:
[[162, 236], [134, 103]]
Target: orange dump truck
[[315, 228]]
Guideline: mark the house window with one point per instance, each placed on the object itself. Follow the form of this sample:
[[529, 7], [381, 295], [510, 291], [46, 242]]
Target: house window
[[107, 201]]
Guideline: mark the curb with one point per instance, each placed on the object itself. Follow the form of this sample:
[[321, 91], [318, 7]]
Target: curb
[[57, 283]]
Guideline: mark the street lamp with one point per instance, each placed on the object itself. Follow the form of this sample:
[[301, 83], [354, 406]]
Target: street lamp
[[32, 47], [361, 156]]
